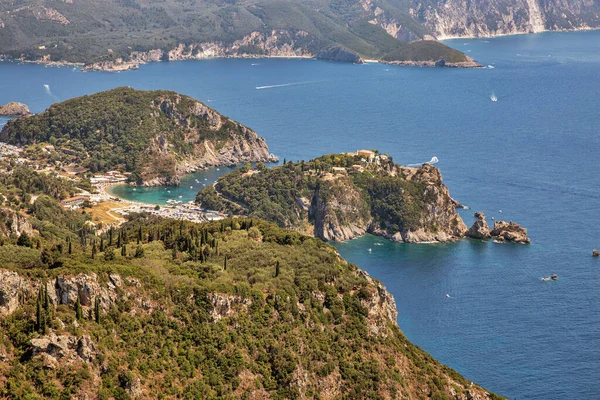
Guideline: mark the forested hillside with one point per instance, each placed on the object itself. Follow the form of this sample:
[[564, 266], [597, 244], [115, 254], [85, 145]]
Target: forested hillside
[[96, 30], [157, 308]]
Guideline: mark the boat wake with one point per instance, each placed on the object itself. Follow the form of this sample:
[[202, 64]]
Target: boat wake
[[283, 85], [493, 98]]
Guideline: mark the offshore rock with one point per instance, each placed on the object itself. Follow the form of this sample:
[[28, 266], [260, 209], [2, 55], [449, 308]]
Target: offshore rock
[[510, 232], [14, 109], [480, 228]]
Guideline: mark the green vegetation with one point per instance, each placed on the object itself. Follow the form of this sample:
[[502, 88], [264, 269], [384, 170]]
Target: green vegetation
[[276, 194], [425, 50], [100, 30], [142, 132], [237, 308]]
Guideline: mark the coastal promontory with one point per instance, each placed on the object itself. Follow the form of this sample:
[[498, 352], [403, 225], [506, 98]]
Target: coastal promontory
[[341, 196], [155, 137]]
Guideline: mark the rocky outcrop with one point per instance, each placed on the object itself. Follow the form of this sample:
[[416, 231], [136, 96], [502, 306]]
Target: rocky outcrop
[[595, 253], [82, 287], [380, 305], [509, 232], [14, 109], [10, 288], [338, 53], [480, 228], [64, 349], [111, 66], [338, 211], [225, 305], [438, 219], [440, 63], [13, 223]]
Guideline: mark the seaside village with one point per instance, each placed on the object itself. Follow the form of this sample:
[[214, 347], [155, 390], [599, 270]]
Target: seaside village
[[110, 210]]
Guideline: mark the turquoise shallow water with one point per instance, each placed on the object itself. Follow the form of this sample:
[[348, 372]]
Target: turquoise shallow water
[[531, 154]]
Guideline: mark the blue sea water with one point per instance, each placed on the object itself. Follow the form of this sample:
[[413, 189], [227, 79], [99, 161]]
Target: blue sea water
[[477, 306]]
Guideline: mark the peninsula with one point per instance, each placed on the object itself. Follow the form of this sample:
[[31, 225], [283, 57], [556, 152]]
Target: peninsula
[[155, 137]]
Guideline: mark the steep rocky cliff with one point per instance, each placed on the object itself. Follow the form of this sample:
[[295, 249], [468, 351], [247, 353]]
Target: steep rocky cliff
[[157, 136], [455, 18], [348, 196]]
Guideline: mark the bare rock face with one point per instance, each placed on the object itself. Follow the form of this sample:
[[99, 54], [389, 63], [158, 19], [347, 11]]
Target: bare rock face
[[14, 223], [10, 284], [510, 232], [14, 109], [84, 287], [439, 221], [480, 228], [63, 348], [381, 306], [339, 212], [225, 305]]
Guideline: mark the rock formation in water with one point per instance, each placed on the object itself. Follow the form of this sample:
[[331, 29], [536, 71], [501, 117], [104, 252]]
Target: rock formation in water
[[155, 136], [14, 109], [509, 232], [480, 228]]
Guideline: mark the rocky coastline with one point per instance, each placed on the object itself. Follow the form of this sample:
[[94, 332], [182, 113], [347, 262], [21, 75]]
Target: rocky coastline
[[501, 232]]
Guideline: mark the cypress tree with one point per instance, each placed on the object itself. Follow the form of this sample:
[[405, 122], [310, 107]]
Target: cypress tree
[[110, 236], [139, 239], [38, 315], [277, 269], [119, 240], [70, 247], [97, 310], [78, 310], [225, 264], [124, 251], [101, 244]]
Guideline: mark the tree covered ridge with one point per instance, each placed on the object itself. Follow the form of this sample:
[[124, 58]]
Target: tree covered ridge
[[156, 308], [146, 133], [298, 324], [391, 199]]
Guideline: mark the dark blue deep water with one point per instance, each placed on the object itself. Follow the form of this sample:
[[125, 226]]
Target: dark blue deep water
[[532, 154]]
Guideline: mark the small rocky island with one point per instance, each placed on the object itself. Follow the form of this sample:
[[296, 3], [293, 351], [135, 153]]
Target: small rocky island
[[14, 109], [502, 232]]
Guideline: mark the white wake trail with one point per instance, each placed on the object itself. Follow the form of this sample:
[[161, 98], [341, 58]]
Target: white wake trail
[[283, 85]]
